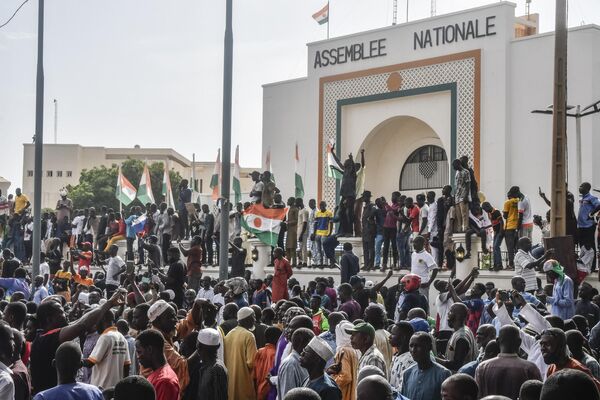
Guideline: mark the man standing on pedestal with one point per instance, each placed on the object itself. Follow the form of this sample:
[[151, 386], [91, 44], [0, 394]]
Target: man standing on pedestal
[[369, 230], [462, 195], [291, 241], [64, 206], [586, 226], [302, 232], [185, 196]]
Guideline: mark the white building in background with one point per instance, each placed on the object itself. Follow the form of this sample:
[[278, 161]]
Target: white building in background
[[419, 94], [63, 163]]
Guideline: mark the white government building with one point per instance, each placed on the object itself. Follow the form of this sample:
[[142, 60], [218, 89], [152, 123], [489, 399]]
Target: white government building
[[417, 95]]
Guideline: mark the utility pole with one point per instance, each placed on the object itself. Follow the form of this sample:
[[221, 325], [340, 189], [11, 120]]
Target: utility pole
[[55, 121], [226, 144], [559, 124], [39, 144]]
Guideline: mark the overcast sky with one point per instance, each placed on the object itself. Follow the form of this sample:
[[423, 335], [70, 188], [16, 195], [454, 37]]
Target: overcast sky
[[149, 72]]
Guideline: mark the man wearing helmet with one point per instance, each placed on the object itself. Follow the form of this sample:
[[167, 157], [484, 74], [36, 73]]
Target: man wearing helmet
[[412, 298]]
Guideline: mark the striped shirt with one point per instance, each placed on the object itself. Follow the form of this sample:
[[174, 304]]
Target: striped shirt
[[373, 357], [522, 258]]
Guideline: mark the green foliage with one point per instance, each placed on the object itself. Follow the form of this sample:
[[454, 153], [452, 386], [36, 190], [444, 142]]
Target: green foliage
[[98, 185]]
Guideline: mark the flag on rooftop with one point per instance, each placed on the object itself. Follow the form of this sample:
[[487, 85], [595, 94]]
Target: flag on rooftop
[[125, 190], [322, 16]]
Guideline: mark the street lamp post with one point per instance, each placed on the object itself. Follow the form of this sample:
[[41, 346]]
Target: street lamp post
[[578, 115], [226, 144], [39, 144]]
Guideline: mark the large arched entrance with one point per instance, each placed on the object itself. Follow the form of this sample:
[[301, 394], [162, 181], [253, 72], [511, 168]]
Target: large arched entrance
[[404, 153]]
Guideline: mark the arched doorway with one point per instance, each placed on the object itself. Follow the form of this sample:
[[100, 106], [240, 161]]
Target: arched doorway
[[425, 169], [391, 145]]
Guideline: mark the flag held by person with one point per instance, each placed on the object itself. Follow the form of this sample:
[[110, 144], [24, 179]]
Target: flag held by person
[[334, 168], [322, 16], [139, 224], [264, 223], [297, 177], [167, 191], [214, 180], [125, 190], [144, 192], [269, 166], [237, 188]]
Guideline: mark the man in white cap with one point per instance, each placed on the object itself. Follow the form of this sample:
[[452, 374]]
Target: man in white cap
[[163, 318], [208, 378], [314, 357], [64, 205], [240, 349]]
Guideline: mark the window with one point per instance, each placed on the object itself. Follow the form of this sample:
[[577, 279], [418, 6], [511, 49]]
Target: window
[[69, 174], [30, 173], [59, 174], [48, 174], [426, 168]]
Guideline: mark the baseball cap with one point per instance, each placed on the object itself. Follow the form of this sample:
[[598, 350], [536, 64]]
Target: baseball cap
[[363, 327]]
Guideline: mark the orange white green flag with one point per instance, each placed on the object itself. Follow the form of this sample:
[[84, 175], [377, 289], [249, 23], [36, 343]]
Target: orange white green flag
[[125, 191], [167, 191], [264, 223], [214, 180], [144, 192], [237, 187], [322, 16]]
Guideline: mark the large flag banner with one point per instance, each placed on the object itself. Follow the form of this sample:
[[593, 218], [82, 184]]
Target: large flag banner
[[334, 169], [263, 222], [269, 166], [214, 180], [322, 16], [144, 192], [237, 188], [297, 177], [167, 191], [125, 190]]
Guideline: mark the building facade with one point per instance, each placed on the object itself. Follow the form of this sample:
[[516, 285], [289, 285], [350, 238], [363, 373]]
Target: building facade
[[417, 95], [63, 163]]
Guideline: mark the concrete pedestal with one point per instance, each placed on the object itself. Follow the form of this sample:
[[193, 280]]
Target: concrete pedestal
[[464, 267], [264, 255], [357, 246]]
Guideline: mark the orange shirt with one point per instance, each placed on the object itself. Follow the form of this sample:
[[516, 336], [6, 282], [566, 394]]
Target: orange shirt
[[83, 281], [572, 364], [263, 362]]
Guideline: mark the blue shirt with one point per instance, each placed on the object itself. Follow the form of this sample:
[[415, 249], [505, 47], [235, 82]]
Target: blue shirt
[[71, 391], [15, 285], [424, 384], [562, 301], [587, 205], [329, 337], [325, 387], [469, 368], [129, 231]]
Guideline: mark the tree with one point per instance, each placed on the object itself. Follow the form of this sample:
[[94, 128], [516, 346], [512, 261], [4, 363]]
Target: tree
[[97, 186]]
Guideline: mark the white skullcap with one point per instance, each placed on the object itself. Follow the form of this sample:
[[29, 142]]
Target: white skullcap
[[209, 337], [244, 312], [171, 294], [157, 309], [369, 285], [63, 192], [321, 347]]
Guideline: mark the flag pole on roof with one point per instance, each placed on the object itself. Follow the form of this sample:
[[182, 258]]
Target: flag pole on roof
[[322, 17]]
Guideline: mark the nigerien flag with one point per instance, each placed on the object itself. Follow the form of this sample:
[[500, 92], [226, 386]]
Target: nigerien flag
[[125, 191], [297, 177], [214, 180], [237, 188], [144, 192], [334, 169], [263, 222], [167, 191], [322, 16]]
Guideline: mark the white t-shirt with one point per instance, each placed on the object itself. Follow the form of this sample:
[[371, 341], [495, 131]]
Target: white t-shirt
[[258, 187], [110, 355], [432, 219], [44, 269], [424, 213], [114, 265], [525, 208], [422, 264], [443, 302]]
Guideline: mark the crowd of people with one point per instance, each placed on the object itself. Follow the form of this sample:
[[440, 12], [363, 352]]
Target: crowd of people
[[156, 325]]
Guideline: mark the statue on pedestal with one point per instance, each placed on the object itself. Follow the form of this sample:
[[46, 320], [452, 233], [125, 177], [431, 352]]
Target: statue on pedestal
[[348, 193]]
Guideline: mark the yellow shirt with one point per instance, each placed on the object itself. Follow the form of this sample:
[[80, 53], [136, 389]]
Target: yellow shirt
[[20, 203], [240, 351], [511, 208]]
